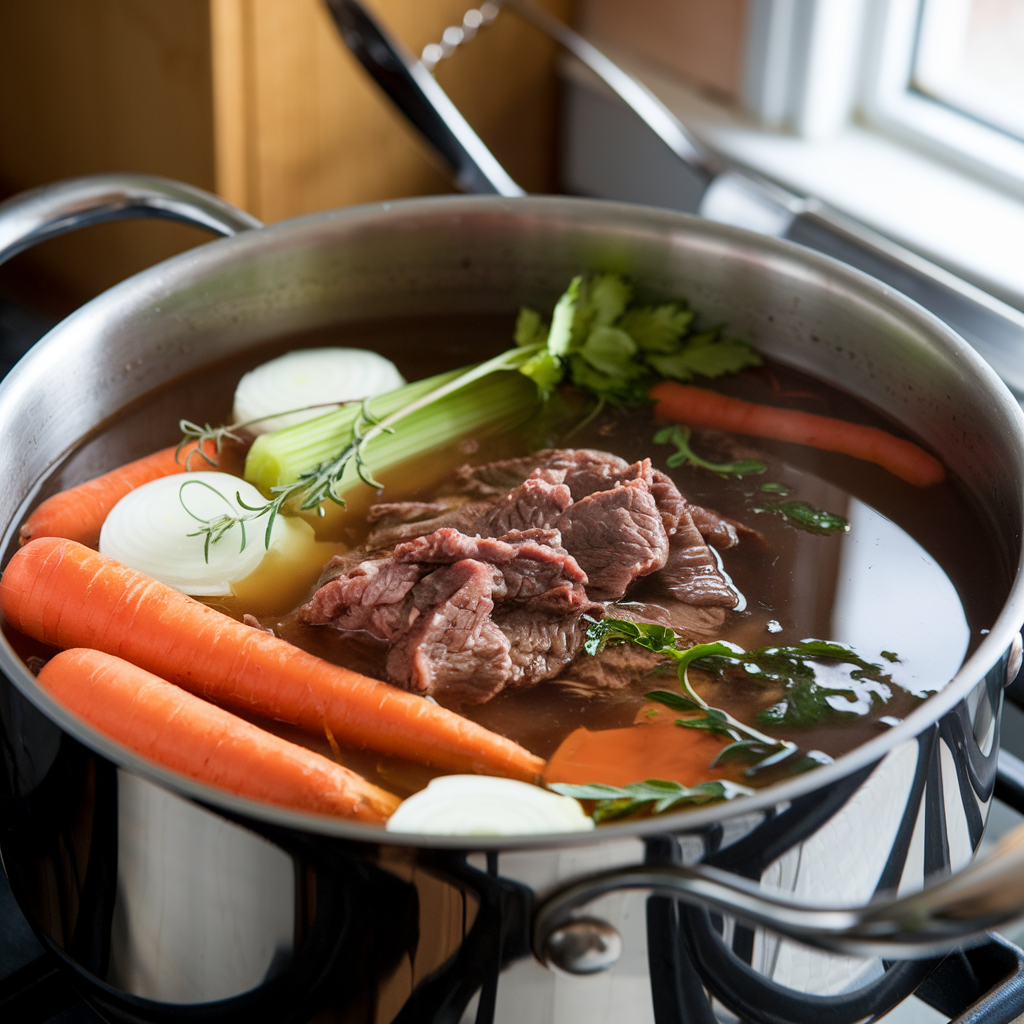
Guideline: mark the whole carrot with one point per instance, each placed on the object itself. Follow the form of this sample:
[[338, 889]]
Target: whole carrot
[[68, 595], [78, 512], [165, 724], [699, 407]]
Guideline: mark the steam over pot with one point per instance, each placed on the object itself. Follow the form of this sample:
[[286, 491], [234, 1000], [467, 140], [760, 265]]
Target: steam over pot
[[170, 892]]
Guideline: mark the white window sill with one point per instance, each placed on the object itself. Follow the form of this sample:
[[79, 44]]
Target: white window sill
[[965, 225]]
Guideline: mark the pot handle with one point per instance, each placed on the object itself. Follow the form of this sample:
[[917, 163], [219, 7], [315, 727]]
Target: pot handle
[[939, 918], [52, 210]]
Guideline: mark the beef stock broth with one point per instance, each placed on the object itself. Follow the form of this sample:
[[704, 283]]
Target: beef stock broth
[[911, 586]]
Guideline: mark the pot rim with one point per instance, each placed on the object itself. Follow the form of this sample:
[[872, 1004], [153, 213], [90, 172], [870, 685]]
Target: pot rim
[[157, 282]]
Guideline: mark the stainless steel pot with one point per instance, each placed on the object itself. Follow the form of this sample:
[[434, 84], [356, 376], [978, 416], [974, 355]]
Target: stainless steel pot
[[162, 891]]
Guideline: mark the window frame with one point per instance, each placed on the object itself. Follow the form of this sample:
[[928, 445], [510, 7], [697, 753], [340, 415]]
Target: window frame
[[889, 104], [813, 67]]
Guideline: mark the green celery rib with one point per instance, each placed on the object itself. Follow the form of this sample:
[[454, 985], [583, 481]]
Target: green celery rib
[[499, 400]]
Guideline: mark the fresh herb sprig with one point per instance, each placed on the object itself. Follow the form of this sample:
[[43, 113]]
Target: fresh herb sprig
[[801, 670], [200, 435], [653, 795], [747, 743], [680, 437]]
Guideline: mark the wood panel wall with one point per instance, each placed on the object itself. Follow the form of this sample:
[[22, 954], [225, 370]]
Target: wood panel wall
[[258, 100]]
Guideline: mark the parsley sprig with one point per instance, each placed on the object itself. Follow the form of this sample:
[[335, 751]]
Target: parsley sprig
[[806, 517]]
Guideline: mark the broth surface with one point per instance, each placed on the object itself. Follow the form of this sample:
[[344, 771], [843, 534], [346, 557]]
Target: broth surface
[[917, 575]]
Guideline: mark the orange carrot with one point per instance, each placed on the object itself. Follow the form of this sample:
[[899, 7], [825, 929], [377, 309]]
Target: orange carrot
[[699, 407], [68, 595], [78, 512], [171, 727], [618, 757]]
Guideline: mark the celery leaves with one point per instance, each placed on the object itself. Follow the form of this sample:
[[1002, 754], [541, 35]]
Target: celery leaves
[[616, 350]]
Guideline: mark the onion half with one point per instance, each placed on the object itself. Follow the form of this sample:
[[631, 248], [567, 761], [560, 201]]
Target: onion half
[[310, 377], [482, 805], [148, 530]]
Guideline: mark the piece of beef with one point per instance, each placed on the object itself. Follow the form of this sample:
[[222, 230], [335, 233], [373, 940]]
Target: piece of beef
[[534, 567], [374, 595], [617, 536], [535, 504], [340, 565], [393, 513], [463, 517], [453, 650], [251, 620], [540, 644], [715, 529], [586, 471], [722, 532], [615, 668], [495, 479], [671, 504], [691, 571], [693, 624]]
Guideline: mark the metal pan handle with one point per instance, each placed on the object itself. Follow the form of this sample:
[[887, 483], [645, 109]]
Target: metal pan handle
[[941, 917], [52, 210]]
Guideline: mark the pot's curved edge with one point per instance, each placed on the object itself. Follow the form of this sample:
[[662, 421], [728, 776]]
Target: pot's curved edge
[[193, 265]]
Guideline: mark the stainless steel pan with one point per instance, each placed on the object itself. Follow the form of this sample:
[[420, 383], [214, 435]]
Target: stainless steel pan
[[820, 855]]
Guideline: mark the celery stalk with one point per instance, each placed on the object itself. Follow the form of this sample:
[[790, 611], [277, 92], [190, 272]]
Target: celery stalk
[[493, 402]]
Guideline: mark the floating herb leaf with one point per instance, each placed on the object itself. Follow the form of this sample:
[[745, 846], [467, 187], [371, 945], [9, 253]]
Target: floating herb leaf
[[776, 488], [680, 437], [653, 795], [806, 517], [816, 689]]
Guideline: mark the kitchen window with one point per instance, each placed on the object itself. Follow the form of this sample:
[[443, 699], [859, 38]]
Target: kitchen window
[[949, 75]]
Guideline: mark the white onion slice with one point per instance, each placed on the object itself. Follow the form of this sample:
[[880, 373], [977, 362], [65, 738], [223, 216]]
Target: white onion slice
[[480, 805], [148, 530], [310, 377]]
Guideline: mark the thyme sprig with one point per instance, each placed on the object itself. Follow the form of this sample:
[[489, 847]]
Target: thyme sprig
[[192, 432], [215, 527]]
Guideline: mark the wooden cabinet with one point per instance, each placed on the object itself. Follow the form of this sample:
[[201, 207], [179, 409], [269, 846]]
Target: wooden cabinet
[[258, 100]]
